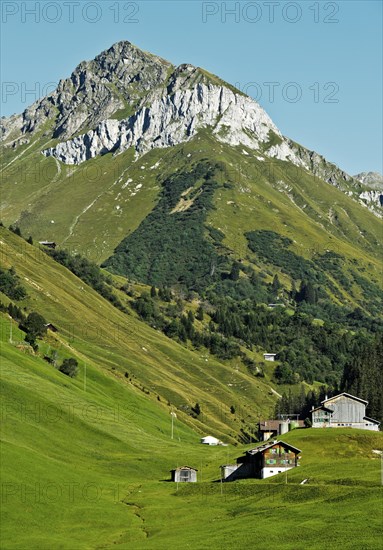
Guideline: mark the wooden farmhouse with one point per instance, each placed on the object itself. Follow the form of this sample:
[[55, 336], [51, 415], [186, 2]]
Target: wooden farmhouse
[[184, 474], [343, 411], [263, 462]]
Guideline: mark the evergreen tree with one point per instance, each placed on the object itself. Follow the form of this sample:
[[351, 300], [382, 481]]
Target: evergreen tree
[[307, 293], [35, 325], [31, 340], [363, 374], [275, 286], [69, 367], [200, 313], [10, 286], [15, 229], [293, 291], [197, 409], [235, 270]]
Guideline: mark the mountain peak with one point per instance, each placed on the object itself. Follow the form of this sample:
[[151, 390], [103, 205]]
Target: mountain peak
[[121, 45], [126, 97], [125, 50]]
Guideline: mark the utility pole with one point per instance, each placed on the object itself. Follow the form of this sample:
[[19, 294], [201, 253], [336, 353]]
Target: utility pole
[[10, 333], [173, 415]]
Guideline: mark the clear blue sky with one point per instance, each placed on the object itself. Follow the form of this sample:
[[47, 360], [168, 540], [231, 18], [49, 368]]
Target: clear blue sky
[[330, 51]]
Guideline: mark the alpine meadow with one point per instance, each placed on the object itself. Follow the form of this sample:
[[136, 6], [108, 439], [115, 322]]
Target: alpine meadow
[[174, 268]]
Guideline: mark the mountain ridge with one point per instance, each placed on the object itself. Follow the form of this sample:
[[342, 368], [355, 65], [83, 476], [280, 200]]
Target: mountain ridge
[[126, 97]]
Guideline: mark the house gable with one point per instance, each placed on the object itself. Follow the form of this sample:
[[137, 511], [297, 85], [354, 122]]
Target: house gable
[[347, 396]]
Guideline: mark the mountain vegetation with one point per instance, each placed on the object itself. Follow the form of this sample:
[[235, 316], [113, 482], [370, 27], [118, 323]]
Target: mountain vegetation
[[191, 239]]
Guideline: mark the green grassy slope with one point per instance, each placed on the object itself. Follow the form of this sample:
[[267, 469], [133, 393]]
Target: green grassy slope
[[86, 469], [99, 333]]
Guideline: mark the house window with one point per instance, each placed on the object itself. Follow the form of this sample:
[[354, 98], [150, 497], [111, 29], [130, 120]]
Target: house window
[[271, 461], [274, 451]]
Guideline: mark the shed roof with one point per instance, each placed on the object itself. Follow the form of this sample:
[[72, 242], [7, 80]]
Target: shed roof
[[267, 425], [322, 408], [184, 468], [371, 420], [272, 425], [209, 438], [51, 326]]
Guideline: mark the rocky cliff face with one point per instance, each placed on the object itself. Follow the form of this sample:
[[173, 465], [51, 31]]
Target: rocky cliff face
[[173, 118], [373, 195], [372, 198]]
